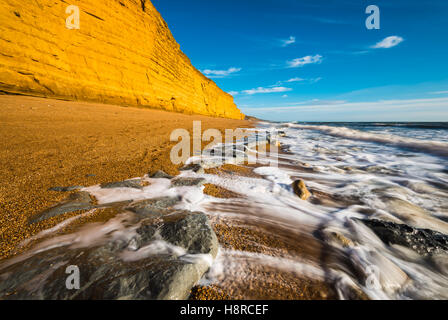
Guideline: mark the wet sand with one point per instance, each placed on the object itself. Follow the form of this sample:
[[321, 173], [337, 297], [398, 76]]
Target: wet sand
[[47, 143], [253, 279]]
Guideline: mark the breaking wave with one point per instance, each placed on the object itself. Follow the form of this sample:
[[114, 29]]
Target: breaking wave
[[432, 147]]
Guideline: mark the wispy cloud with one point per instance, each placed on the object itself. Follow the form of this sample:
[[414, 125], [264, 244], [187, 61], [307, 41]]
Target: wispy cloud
[[266, 90], [301, 80], [295, 80], [300, 62], [388, 42], [289, 41], [439, 92], [220, 73], [233, 93]]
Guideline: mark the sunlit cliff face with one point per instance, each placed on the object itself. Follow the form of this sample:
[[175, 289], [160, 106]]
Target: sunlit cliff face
[[120, 52]]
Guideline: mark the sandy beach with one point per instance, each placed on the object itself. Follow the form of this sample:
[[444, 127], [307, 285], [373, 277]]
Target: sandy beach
[[47, 143]]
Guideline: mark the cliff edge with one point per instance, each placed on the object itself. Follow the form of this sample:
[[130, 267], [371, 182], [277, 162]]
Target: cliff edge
[[123, 53]]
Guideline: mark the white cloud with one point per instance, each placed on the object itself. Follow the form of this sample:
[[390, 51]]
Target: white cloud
[[266, 90], [295, 80], [388, 42], [220, 73], [300, 62], [276, 88], [302, 80], [233, 93], [289, 41]]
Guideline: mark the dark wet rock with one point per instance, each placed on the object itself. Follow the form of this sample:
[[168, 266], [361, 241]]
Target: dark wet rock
[[159, 175], [144, 234], [187, 182], [153, 207], [90, 175], [195, 167], [75, 202], [192, 231], [136, 184], [65, 189], [300, 189], [119, 268], [423, 241], [82, 196]]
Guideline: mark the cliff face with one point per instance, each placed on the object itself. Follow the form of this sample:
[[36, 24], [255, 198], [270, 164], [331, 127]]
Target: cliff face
[[122, 54]]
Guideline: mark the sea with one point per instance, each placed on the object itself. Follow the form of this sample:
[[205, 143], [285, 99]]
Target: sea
[[394, 172]]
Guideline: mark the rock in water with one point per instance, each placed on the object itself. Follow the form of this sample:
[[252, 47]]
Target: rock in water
[[136, 184], [300, 189], [160, 258], [424, 241], [65, 189], [160, 175], [187, 182], [101, 63], [195, 167], [155, 206], [75, 202]]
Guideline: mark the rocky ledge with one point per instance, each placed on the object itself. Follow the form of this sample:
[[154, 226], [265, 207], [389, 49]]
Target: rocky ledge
[[426, 242], [148, 250]]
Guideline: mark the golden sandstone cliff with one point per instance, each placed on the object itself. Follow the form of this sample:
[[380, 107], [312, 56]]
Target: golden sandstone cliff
[[123, 53]]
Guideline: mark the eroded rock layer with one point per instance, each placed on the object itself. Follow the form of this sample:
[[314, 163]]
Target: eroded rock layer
[[123, 53]]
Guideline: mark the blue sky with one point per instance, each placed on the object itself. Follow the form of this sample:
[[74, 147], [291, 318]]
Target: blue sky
[[315, 60]]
